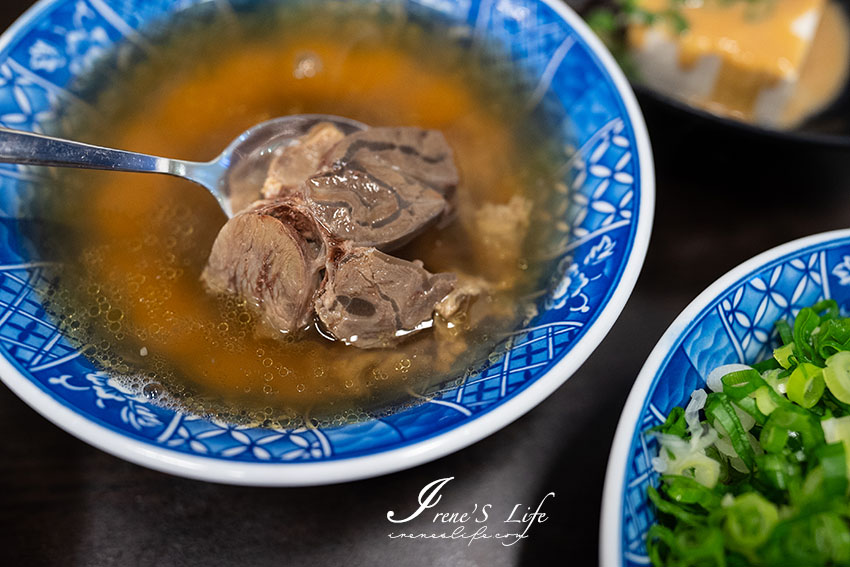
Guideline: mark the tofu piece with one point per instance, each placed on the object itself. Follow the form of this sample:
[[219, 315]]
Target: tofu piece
[[739, 59]]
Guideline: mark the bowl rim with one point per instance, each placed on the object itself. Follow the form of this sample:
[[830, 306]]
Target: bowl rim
[[739, 127], [610, 525], [409, 455]]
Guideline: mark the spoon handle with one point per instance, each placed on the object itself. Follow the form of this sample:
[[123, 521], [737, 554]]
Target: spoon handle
[[28, 148], [36, 149]]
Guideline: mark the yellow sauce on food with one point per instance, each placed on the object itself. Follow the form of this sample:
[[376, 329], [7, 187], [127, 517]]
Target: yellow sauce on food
[[827, 67], [761, 46]]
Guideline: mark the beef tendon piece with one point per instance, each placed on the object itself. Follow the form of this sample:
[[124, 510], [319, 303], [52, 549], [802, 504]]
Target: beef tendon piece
[[272, 255], [372, 300], [372, 205], [421, 154], [467, 289], [292, 165]]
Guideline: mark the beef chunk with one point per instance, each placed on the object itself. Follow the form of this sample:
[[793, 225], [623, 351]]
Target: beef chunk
[[372, 300], [313, 246], [272, 255], [421, 154], [466, 290], [374, 205], [292, 165]]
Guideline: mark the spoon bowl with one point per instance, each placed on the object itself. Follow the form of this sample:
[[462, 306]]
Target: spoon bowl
[[240, 167]]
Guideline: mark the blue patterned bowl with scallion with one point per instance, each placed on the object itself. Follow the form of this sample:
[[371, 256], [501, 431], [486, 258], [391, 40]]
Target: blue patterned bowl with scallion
[[704, 365]]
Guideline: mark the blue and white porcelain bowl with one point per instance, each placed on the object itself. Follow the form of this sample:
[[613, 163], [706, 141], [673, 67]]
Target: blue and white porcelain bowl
[[730, 322], [605, 237]]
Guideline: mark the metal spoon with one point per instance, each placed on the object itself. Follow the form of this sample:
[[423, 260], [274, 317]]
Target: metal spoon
[[244, 161]]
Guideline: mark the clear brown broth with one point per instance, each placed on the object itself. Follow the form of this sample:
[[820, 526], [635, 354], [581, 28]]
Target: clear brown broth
[[131, 247]]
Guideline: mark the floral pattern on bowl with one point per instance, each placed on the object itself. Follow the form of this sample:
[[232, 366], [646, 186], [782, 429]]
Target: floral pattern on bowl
[[731, 322]]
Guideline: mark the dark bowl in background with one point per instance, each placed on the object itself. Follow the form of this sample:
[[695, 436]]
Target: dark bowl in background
[[829, 128]]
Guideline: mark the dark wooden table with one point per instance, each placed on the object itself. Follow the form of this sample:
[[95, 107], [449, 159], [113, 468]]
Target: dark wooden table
[[721, 198]]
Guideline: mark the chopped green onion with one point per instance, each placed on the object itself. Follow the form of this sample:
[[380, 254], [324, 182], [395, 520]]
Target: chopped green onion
[[765, 402], [749, 521], [804, 325], [719, 410], [675, 510], [783, 355], [750, 406], [833, 536], [660, 542], [688, 458], [765, 365], [763, 480], [833, 463], [742, 383], [833, 336], [809, 540], [828, 308], [686, 490], [805, 385], [785, 421], [837, 430], [778, 472], [675, 423], [837, 375], [786, 335]]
